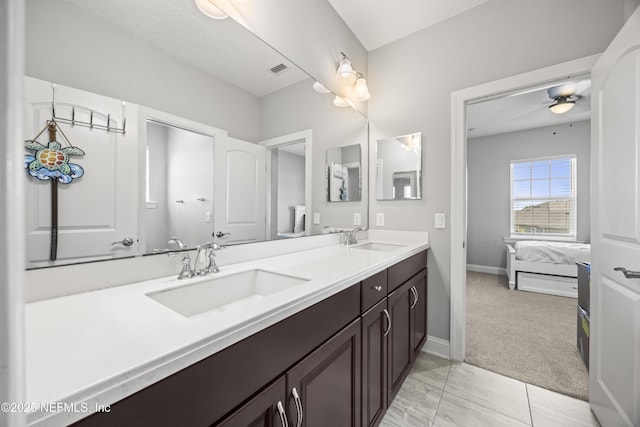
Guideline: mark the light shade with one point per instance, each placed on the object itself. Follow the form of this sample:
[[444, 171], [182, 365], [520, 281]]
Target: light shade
[[319, 87], [562, 105], [360, 90], [211, 10], [345, 69], [338, 101]]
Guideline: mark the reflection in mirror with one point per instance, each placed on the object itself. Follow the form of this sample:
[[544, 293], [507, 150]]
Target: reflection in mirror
[[343, 170], [232, 89], [179, 188], [287, 164], [399, 167]]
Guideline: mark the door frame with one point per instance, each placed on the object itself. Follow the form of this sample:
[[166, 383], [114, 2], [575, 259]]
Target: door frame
[[305, 136], [459, 101]]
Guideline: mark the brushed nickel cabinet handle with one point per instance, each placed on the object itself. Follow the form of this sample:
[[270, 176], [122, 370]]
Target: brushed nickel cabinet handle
[[414, 291], [386, 313], [298, 402], [283, 415]]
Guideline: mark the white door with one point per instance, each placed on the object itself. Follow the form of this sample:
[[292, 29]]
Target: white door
[[97, 209], [614, 376], [239, 190]]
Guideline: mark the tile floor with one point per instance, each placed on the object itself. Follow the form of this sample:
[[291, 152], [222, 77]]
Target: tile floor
[[439, 393]]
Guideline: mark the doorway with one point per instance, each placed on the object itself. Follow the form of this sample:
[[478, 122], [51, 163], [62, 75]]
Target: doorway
[[460, 100]]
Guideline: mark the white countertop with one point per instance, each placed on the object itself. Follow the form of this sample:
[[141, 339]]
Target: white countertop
[[96, 348]]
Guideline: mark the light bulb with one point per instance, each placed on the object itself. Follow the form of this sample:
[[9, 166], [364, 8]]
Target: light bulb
[[562, 105], [209, 9], [360, 90]]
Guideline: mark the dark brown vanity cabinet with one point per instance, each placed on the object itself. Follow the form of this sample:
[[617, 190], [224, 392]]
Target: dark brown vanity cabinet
[[393, 332], [336, 363]]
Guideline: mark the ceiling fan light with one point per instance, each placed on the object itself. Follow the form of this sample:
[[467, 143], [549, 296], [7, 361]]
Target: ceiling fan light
[[211, 10], [361, 91], [319, 87], [562, 105]]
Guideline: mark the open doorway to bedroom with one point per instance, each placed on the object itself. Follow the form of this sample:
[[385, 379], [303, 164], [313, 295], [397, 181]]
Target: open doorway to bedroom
[[528, 181]]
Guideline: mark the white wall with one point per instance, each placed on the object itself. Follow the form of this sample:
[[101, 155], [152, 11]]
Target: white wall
[[488, 169], [297, 108], [411, 81], [66, 46], [12, 247], [290, 188]]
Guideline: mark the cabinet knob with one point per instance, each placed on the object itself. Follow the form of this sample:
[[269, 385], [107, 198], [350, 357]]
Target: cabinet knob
[[377, 288]]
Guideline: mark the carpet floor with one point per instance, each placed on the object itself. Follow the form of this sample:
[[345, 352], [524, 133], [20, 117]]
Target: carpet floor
[[524, 335]]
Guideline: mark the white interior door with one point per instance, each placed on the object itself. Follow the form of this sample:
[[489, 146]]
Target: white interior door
[[614, 377], [240, 188], [98, 208]]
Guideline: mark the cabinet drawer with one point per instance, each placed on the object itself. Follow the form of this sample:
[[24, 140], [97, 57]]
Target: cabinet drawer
[[374, 289], [404, 270]]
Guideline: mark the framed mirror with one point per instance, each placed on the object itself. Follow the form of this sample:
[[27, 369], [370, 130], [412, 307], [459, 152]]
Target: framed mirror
[[399, 167], [344, 183], [197, 75]]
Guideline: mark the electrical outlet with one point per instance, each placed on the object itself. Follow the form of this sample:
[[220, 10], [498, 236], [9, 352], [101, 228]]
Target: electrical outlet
[[316, 218], [439, 220], [380, 219], [357, 219]]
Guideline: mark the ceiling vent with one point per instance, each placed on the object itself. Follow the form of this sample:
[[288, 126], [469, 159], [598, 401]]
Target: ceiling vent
[[279, 68]]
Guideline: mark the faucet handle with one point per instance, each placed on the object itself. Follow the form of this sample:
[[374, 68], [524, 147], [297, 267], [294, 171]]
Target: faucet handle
[[186, 271]]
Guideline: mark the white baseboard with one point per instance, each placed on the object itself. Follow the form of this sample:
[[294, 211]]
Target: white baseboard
[[437, 346], [486, 269]]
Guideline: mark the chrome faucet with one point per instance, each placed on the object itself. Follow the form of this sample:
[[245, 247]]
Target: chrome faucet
[[208, 250], [350, 236], [177, 241]]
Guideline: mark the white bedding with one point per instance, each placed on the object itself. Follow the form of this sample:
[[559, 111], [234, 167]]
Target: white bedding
[[552, 252]]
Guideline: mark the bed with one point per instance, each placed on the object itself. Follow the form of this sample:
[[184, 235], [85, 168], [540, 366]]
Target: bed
[[545, 266]]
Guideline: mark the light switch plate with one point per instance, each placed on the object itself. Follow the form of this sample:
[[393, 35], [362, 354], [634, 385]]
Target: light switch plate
[[357, 219], [208, 217], [380, 219], [439, 220], [316, 218]]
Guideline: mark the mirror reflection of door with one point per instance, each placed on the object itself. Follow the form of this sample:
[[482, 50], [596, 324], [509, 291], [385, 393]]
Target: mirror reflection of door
[[399, 167], [288, 190], [343, 172], [179, 188], [405, 185]]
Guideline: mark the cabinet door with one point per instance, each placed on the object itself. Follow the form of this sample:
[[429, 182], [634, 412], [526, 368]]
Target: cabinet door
[[400, 346], [265, 410], [375, 326], [419, 312], [328, 383]]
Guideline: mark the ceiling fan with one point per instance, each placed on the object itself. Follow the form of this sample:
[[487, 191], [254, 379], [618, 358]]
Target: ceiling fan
[[565, 95]]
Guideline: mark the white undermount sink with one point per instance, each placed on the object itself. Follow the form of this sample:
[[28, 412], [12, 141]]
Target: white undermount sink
[[225, 292], [384, 247]]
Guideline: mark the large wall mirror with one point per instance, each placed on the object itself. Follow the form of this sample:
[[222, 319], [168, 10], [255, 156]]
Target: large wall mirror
[[224, 136], [399, 167]]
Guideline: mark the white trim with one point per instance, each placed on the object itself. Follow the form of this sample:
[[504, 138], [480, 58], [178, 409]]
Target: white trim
[[437, 346], [12, 178], [305, 136], [459, 101], [487, 269]]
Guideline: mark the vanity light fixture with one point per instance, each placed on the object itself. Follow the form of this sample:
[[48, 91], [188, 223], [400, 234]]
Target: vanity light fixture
[[360, 89], [211, 10], [345, 69], [562, 105], [319, 87]]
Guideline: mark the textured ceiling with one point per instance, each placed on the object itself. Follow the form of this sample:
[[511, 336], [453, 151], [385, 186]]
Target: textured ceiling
[[221, 47], [378, 22], [525, 110]]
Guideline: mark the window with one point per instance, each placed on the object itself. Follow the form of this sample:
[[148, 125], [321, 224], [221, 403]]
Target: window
[[543, 197]]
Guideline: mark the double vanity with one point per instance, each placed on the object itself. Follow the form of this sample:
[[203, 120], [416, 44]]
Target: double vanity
[[324, 335]]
